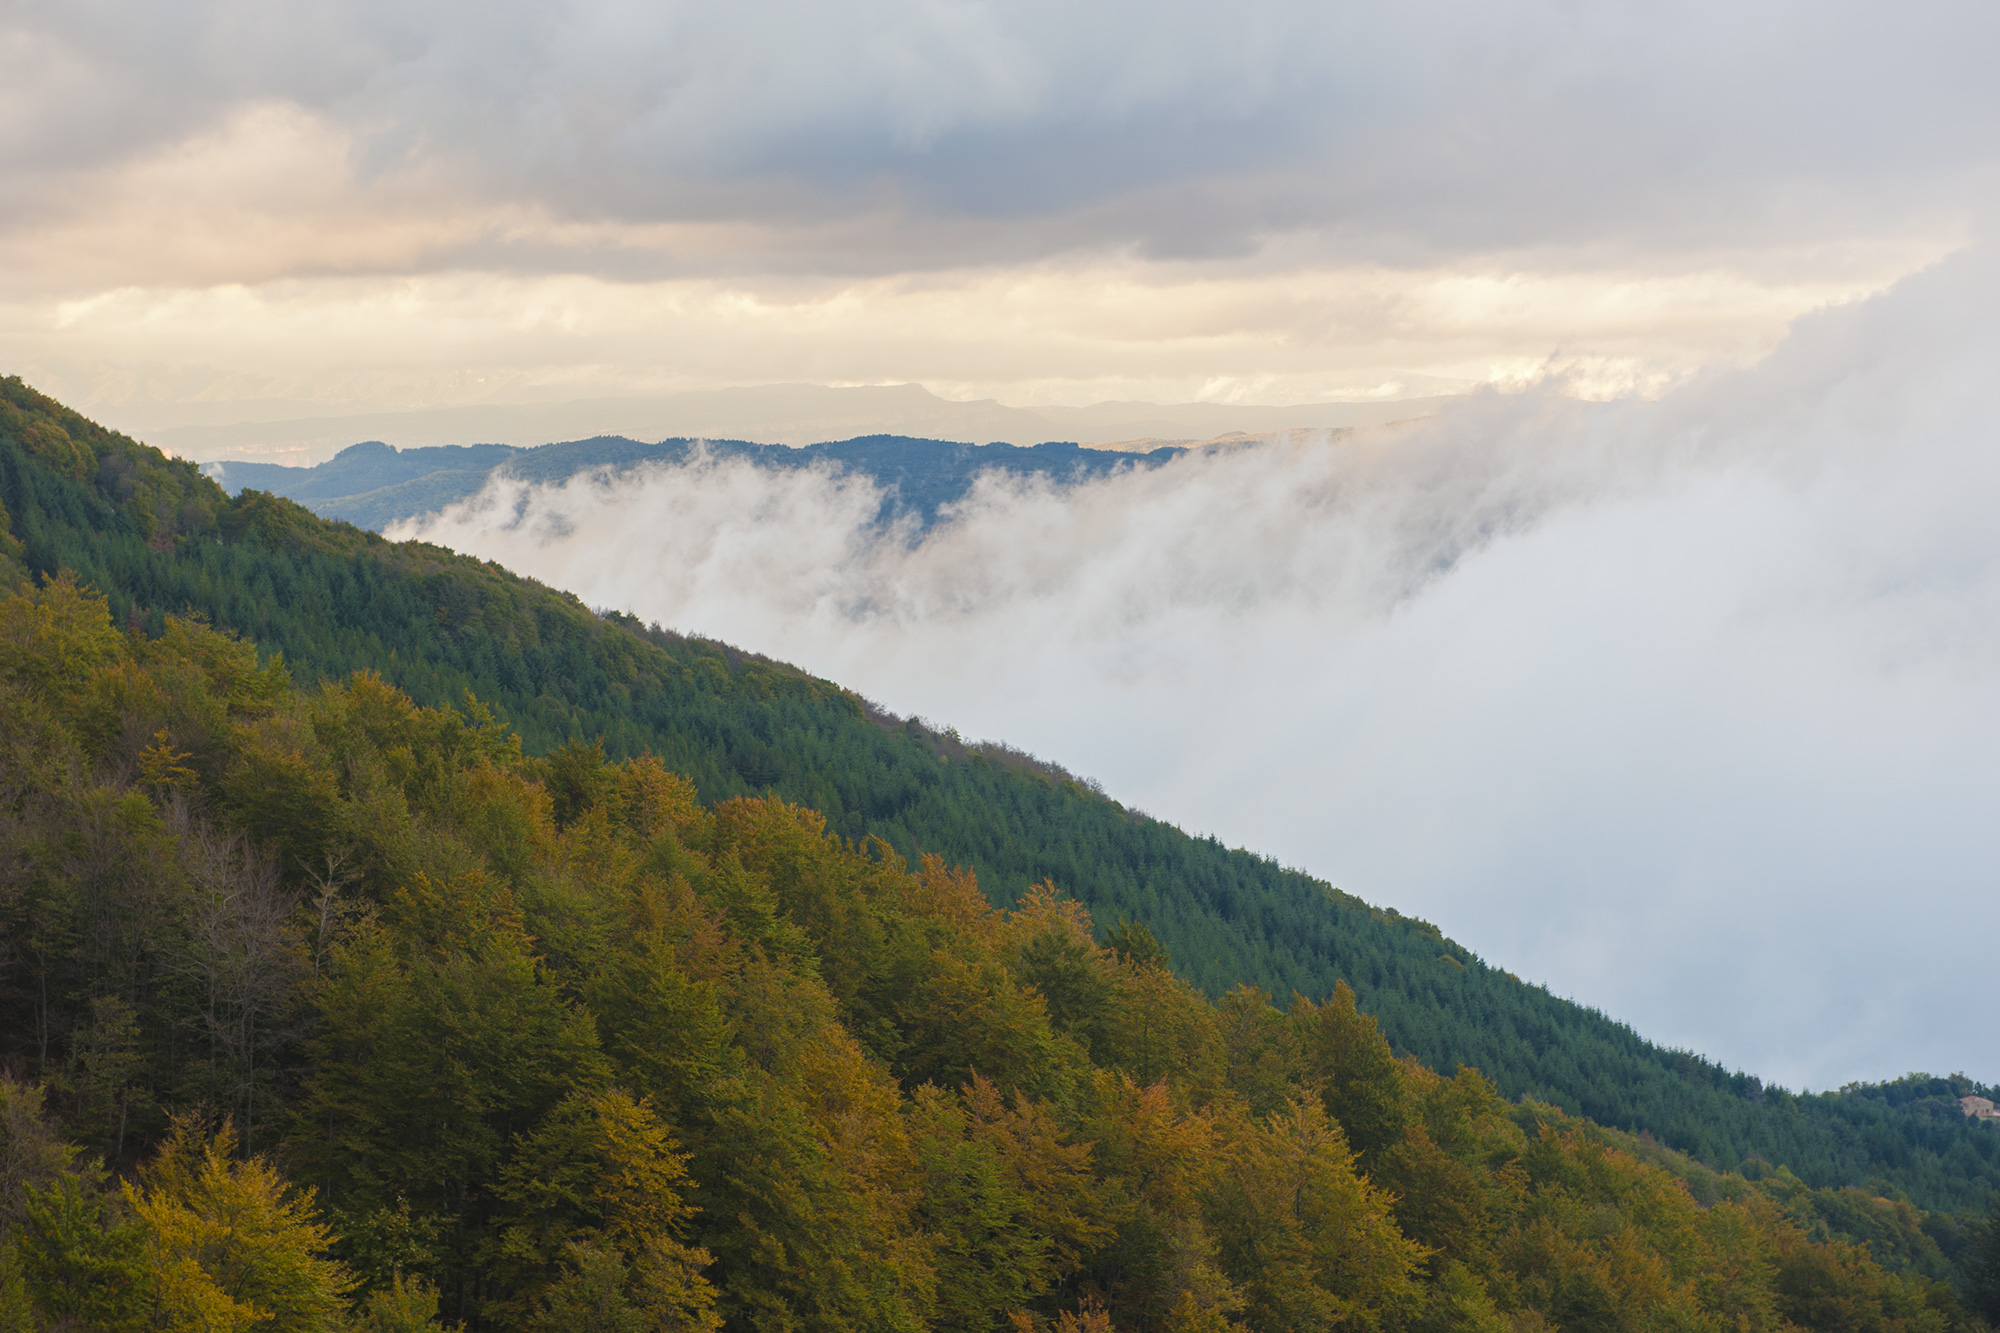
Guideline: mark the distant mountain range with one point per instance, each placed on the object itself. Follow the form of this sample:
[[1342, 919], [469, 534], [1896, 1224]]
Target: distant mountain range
[[794, 414], [373, 485]]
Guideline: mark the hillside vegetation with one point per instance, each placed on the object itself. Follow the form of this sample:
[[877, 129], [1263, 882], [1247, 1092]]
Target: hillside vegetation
[[550, 1043], [155, 537]]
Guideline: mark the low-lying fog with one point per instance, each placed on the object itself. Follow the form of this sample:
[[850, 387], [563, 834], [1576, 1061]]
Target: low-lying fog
[[1689, 708]]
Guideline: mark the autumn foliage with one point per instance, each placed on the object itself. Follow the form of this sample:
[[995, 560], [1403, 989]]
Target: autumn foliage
[[329, 1011]]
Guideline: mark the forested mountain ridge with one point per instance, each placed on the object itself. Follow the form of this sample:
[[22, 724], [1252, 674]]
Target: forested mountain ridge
[[155, 537], [551, 1044], [374, 485]]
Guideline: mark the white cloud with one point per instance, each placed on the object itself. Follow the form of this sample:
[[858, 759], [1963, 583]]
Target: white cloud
[[1690, 708]]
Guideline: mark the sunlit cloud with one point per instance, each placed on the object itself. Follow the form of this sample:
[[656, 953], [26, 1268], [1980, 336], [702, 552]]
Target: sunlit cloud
[[1045, 334], [374, 205]]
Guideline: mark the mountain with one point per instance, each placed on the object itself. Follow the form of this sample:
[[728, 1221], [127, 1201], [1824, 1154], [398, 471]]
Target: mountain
[[795, 414], [157, 537], [564, 1041], [381, 1022], [373, 485]]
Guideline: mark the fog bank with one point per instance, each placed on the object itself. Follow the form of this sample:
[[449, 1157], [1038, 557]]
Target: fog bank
[[1687, 708]]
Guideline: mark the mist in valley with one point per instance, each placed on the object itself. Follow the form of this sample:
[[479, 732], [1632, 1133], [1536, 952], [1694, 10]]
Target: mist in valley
[[1688, 708]]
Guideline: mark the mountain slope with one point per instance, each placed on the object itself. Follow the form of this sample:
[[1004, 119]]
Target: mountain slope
[[556, 1046], [158, 538]]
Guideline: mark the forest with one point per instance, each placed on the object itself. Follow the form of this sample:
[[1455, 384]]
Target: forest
[[390, 941]]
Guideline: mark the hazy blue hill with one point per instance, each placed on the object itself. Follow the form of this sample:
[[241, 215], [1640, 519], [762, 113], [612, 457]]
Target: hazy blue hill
[[157, 537], [374, 485], [377, 509], [359, 469]]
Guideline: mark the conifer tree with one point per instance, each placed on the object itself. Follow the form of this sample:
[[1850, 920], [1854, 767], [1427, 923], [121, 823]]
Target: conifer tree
[[1983, 1267]]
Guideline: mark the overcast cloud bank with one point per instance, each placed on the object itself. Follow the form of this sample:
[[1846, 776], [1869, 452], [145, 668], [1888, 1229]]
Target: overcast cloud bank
[[892, 135], [1688, 708], [375, 205]]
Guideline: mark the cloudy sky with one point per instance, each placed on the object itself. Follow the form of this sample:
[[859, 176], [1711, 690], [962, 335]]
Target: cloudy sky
[[260, 208], [1663, 671]]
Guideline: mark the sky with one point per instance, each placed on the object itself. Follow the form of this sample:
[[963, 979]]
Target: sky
[[240, 210], [1656, 668]]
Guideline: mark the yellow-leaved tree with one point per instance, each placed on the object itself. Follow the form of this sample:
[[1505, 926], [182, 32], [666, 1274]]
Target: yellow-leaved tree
[[230, 1244], [598, 1193]]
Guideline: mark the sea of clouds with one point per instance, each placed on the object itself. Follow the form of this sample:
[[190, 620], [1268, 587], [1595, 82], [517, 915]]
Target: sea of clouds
[[1689, 708]]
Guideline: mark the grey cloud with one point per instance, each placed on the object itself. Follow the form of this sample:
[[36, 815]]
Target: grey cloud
[[1689, 708], [1184, 130]]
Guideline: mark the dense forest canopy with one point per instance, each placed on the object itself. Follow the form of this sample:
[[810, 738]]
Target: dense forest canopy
[[553, 1044], [696, 993]]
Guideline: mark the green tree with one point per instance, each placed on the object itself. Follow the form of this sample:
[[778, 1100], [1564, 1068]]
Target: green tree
[[989, 1259], [1983, 1265], [82, 1258], [602, 1178], [441, 1039], [1360, 1080]]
